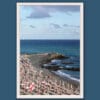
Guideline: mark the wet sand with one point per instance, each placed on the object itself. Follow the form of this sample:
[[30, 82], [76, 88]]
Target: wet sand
[[35, 80]]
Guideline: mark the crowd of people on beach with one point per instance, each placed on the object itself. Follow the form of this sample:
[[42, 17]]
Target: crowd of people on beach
[[38, 81]]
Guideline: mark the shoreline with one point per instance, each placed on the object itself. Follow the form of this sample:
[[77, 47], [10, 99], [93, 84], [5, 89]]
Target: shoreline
[[45, 82]]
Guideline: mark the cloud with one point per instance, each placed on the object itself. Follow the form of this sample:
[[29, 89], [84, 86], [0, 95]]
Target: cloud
[[64, 8], [65, 25], [77, 26], [32, 26], [55, 25], [41, 11], [74, 26], [39, 14]]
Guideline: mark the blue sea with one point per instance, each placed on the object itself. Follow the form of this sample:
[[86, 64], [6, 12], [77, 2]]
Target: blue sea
[[69, 48]]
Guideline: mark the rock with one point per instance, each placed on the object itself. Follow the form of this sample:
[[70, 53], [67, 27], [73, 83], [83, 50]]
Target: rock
[[67, 63], [49, 66], [56, 56], [55, 67], [72, 69]]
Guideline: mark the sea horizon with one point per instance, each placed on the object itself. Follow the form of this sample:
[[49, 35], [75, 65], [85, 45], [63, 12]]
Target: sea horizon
[[50, 39]]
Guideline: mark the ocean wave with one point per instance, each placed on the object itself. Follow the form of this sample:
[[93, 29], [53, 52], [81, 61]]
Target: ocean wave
[[62, 74], [55, 61], [67, 66]]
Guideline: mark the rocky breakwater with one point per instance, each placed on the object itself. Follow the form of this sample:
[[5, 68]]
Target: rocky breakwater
[[55, 62]]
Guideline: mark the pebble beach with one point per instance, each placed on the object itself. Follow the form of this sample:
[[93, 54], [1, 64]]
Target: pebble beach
[[35, 80]]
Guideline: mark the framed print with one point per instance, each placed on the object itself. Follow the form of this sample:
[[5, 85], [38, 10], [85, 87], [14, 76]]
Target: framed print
[[50, 50]]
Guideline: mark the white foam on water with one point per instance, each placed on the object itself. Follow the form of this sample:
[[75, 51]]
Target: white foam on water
[[67, 66], [55, 61], [66, 75]]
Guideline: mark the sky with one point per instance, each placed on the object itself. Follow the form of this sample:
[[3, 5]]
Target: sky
[[49, 22]]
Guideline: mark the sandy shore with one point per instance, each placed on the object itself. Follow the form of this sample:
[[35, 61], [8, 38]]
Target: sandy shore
[[35, 80]]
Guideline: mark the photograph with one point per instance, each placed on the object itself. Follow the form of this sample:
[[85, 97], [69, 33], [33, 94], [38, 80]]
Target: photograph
[[49, 50]]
